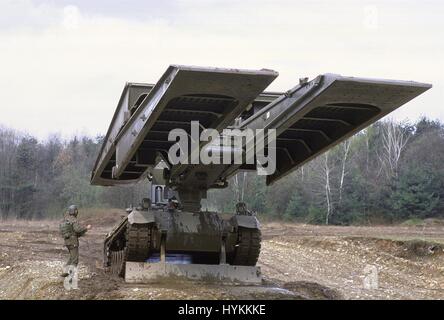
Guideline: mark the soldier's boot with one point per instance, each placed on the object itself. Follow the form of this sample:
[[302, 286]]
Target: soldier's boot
[[64, 274]]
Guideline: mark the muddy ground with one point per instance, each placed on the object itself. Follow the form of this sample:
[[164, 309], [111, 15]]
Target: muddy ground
[[297, 262]]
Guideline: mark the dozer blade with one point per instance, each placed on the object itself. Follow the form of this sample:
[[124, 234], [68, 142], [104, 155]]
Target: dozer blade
[[142, 272], [315, 116]]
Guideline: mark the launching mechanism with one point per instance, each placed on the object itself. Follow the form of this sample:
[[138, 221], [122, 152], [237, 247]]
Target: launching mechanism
[[169, 235]]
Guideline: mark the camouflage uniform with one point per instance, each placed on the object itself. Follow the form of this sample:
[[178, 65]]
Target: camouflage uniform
[[72, 243]]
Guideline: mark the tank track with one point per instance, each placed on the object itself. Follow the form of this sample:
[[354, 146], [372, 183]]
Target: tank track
[[117, 262], [139, 242], [248, 247]]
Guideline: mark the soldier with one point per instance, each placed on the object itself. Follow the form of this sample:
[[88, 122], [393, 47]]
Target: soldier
[[241, 209], [173, 204], [71, 230], [170, 206], [146, 203]]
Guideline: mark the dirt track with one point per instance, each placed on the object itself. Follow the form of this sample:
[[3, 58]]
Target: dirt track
[[297, 261]]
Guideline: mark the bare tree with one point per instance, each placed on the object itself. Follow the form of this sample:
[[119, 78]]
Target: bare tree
[[393, 139], [9, 140], [239, 183], [367, 149], [345, 150], [328, 197]]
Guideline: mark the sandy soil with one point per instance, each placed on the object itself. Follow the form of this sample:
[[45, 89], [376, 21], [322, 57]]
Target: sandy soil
[[297, 262]]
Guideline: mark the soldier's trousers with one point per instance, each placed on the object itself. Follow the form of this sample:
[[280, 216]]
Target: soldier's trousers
[[73, 255]]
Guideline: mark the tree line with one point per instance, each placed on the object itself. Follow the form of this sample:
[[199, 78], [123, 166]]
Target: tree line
[[391, 171], [39, 179]]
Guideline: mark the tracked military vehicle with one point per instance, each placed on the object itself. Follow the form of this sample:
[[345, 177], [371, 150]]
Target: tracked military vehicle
[[161, 239]]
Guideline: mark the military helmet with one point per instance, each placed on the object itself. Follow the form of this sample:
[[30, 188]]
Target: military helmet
[[146, 203], [241, 207], [72, 210]]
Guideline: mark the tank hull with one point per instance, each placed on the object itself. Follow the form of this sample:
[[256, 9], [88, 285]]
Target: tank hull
[[149, 245]]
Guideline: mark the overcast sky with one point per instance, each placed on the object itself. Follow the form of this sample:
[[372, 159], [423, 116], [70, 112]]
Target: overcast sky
[[63, 64]]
